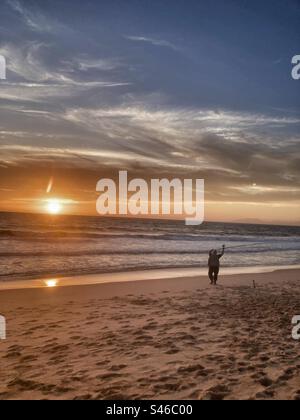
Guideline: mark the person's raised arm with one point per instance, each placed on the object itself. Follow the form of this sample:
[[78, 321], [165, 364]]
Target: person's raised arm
[[223, 252]]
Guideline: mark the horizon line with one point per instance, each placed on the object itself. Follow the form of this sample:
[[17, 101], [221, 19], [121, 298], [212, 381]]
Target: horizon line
[[162, 219]]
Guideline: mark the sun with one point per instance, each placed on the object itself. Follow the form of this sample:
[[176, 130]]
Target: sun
[[54, 207]]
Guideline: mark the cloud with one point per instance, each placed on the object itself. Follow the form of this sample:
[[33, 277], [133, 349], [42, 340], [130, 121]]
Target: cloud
[[199, 141], [36, 81], [34, 19], [153, 41], [176, 125], [238, 147], [101, 64], [25, 62]]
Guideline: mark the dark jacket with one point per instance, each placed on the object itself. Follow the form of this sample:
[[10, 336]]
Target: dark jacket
[[214, 259]]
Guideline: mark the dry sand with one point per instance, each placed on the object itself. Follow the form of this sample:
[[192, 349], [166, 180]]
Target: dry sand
[[159, 339]]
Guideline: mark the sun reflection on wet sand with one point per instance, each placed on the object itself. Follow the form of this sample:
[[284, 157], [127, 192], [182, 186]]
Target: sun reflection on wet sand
[[51, 283]]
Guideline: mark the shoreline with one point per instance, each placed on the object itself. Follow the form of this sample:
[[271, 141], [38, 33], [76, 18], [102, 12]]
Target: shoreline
[[134, 276]]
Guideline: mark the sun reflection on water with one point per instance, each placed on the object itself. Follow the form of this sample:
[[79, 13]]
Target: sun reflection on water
[[51, 283]]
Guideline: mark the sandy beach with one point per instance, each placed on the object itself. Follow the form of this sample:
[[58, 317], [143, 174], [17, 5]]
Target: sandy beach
[[149, 202], [159, 339]]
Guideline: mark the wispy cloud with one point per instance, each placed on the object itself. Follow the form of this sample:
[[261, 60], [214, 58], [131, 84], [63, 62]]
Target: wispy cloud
[[153, 41], [205, 141], [34, 19], [179, 123], [35, 81], [25, 62], [102, 64]]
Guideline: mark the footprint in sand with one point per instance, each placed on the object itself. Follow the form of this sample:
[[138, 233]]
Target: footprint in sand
[[12, 354], [29, 358], [216, 393], [266, 381], [297, 396], [116, 368]]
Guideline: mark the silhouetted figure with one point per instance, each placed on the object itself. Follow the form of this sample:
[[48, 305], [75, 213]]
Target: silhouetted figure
[[214, 264]]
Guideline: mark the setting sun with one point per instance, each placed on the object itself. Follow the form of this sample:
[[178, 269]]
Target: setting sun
[[54, 207]]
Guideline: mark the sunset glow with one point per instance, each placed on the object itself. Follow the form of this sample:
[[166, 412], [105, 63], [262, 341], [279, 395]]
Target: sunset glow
[[51, 283], [54, 207]]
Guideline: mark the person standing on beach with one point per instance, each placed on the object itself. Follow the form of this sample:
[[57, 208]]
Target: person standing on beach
[[214, 265]]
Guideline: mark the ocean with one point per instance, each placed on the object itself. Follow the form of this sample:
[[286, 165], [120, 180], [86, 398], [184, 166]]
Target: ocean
[[38, 246]]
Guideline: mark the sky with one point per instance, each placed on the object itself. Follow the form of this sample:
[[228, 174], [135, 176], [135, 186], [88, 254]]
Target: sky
[[189, 89]]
